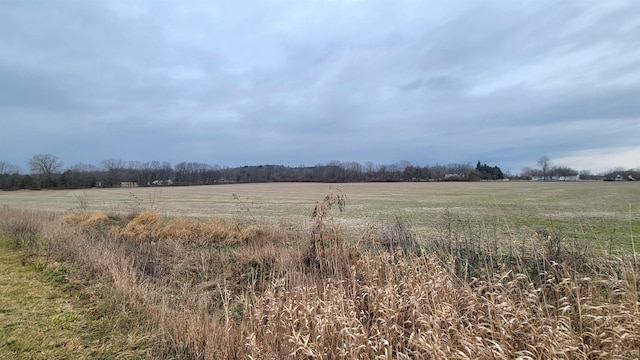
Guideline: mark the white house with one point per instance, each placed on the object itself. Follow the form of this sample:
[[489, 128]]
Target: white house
[[556, 178]]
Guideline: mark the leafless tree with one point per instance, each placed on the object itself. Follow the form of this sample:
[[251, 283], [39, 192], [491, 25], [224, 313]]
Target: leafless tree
[[370, 167], [45, 164], [7, 168], [114, 168], [45, 167], [544, 163], [113, 164], [564, 171], [81, 175]]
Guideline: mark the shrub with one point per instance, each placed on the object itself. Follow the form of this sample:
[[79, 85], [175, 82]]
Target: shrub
[[22, 227], [89, 219]]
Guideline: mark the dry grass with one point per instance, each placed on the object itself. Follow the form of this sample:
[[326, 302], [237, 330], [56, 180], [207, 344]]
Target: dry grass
[[46, 312], [597, 212], [88, 219], [413, 308], [215, 288], [150, 227]]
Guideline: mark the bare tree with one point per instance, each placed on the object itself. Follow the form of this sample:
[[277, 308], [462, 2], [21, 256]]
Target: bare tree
[[81, 175], [113, 164], [45, 164], [45, 167], [370, 167], [7, 168], [114, 168], [544, 163]]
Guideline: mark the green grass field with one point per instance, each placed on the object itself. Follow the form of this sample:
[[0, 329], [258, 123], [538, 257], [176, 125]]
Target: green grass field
[[606, 214]]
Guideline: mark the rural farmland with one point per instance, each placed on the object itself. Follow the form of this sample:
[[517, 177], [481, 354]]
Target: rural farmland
[[599, 211], [326, 179], [307, 270]]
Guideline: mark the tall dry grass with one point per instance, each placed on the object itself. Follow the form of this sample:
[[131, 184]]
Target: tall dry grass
[[399, 307], [214, 289], [23, 228]]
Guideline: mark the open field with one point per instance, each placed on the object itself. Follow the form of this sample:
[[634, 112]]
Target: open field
[[408, 270], [604, 213]]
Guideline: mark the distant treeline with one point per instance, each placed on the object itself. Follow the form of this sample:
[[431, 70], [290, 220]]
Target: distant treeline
[[48, 173]]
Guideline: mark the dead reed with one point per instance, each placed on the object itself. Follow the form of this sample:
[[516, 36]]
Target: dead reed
[[214, 289]]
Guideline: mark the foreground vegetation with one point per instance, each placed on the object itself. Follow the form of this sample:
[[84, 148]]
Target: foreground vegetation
[[249, 288], [47, 313]]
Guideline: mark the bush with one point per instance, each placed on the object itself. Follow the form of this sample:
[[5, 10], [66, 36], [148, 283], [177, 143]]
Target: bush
[[22, 228]]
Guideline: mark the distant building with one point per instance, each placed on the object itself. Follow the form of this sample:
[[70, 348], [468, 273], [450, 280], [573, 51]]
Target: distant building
[[129, 184], [453, 177], [162, 182], [556, 178]]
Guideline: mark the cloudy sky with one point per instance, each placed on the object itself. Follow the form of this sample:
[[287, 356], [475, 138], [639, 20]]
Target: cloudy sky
[[297, 82]]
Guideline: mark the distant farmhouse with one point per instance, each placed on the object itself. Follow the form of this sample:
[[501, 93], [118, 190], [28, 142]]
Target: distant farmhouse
[[129, 184], [162, 182], [556, 178], [620, 178]]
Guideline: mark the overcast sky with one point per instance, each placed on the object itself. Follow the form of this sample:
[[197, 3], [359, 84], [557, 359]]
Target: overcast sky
[[297, 82]]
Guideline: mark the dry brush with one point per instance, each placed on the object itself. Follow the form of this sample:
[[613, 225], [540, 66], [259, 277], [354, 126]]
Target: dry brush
[[212, 288]]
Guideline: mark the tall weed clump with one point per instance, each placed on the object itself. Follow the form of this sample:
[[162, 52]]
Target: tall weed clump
[[327, 253], [476, 249], [394, 306], [391, 236], [23, 228], [89, 219]]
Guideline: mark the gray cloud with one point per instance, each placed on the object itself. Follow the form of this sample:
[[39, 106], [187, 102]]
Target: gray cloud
[[304, 82]]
